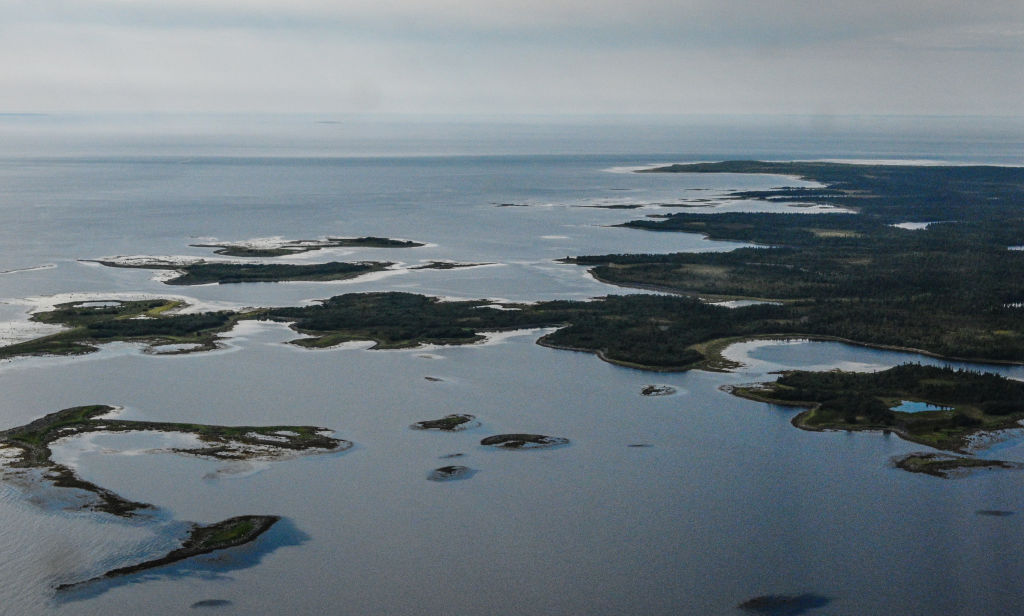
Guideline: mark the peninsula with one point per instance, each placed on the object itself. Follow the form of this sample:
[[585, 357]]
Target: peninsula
[[201, 539], [939, 407], [943, 289]]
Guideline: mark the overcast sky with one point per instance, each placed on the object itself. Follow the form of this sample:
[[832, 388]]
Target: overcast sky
[[514, 56]]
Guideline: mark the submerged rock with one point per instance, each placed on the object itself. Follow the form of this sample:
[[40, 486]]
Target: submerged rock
[[451, 473], [448, 423], [657, 390], [523, 441], [784, 605], [210, 603]]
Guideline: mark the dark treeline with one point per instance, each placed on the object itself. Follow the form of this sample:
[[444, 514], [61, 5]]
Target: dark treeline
[[893, 193], [939, 385], [171, 325], [650, 330], [226, 273], [655, 331], [144, 320]]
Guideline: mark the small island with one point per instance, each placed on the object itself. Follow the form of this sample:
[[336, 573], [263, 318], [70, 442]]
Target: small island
[[947, 466], [784, 605], [523, 441], [204, 272], [448, 423], [446, 265], [280, 248], [201, 539]]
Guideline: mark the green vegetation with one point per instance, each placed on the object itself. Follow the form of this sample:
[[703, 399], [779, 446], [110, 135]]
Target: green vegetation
[[201, 540], [203, 272], [292, 247], [660, 332], [392, 320], [978, 402], [944, 290], [639, 330], [219, 442], [135, 321]]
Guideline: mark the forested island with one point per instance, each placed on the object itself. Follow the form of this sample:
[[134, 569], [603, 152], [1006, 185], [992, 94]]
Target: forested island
[[203, 272], [152, 321]]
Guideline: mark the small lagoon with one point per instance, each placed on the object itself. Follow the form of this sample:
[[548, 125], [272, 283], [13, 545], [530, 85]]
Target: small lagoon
[[911, 406]]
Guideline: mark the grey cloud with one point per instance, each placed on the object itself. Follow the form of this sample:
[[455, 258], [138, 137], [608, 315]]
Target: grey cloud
[[722, 22], [563, 56]]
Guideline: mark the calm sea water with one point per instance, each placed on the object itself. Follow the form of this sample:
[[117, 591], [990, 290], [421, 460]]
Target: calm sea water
[[726, 501]]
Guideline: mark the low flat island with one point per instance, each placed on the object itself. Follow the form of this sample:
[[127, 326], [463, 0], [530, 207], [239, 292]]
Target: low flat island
[[203, 272], [282, 248]]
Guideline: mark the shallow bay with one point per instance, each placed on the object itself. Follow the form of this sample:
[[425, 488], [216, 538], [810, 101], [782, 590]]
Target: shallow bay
[[725, 501]]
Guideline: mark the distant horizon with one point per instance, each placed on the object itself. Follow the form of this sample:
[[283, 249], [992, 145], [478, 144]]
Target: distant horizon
[[480, 115], [690, 137]]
